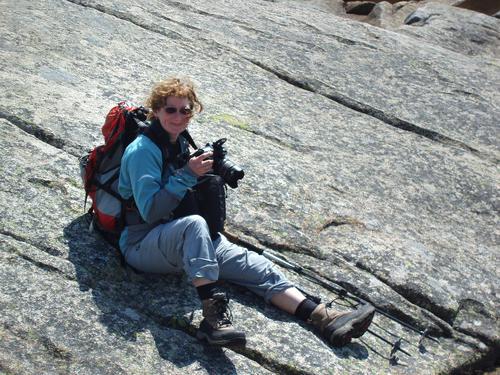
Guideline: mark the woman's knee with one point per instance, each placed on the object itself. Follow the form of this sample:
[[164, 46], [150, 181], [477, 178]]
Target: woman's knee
[[195, 221], [192, 225], [238, 263]]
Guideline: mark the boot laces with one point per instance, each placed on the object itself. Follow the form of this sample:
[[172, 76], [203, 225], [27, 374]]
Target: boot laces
[[331, 312], [222, 310], [328, 306]]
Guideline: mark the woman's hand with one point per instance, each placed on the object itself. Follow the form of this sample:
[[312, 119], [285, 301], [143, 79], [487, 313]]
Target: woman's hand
[[199, 165]]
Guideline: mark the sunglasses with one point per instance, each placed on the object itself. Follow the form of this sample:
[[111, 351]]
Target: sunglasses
[[186, 111]]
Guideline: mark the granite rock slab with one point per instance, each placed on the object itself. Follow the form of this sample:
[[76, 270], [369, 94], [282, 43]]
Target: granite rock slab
[[371, 158]]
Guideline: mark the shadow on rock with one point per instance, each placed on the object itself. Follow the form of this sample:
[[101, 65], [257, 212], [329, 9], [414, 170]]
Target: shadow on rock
[[131, 303]]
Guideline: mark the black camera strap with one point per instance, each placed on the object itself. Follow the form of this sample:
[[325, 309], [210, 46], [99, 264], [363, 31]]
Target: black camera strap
[[190, 139]]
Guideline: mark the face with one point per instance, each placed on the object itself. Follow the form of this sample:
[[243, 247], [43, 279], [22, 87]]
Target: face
[[176, 122]]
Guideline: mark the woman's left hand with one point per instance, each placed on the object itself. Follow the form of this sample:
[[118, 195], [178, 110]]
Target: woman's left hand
[[201, 164]]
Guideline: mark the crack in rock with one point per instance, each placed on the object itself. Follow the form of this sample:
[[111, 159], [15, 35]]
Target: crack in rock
[[338, 38], [58, 353], [44, 135], [278, 141], [419, 18], [45, 266], [471, 304], [190, 9], [183, 324], [475, 309], [494, 345], [487, 363], [269, 364], [54, 350], [342, 220], [366, 109], [51, 184], [41, 265], [47, 249], [283, 247], [179, 23], [412, 293], [129, 18]]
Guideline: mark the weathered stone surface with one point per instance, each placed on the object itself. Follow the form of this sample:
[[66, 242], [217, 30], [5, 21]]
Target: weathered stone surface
[[443, 23], [330, 6], [391, 16], [456, 29], [51, 326], [370, 156]]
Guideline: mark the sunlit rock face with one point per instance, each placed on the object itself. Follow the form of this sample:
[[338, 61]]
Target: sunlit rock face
[[370, 152]]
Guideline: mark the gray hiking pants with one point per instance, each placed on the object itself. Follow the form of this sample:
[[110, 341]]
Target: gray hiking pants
[[184, 245]]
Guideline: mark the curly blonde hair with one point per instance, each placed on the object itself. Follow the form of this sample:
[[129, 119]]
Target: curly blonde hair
[[181, 87]]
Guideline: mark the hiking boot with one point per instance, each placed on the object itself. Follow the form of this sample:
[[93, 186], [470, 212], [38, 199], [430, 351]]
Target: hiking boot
[[216, 327], [340, 327]]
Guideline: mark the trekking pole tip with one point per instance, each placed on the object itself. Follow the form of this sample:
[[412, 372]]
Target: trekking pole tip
[[425, 334]]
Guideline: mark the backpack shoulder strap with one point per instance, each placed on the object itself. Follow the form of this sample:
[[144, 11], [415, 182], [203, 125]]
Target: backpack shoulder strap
[[152, 133]]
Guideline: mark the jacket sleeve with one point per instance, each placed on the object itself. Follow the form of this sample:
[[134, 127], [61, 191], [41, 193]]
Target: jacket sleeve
[[143, 170]]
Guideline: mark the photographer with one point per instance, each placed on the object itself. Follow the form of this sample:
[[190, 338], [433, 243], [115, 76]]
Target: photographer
[[159, 239]]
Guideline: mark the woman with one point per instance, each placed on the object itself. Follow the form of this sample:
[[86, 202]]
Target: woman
[[157, 242]]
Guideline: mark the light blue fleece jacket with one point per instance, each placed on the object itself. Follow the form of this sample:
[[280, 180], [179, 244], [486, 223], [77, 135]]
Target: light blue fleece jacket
[[156, 193]]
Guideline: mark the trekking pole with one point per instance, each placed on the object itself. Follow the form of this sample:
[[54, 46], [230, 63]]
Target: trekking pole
[[341, 291]]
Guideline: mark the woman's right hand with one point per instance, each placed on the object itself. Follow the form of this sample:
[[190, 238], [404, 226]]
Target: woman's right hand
[[199, 165]]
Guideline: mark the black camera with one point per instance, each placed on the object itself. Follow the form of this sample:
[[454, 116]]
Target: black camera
[[225, 168]]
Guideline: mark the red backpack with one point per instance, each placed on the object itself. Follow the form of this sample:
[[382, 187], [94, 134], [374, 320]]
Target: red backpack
[[100, 168]]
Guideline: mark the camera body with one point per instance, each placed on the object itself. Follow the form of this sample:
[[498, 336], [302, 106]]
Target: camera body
[[222, 166]]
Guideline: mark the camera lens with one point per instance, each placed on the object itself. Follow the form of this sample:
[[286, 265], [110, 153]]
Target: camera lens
[[230, 172]]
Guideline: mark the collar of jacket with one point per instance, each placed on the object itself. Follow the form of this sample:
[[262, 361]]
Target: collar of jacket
[[162, 137]]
